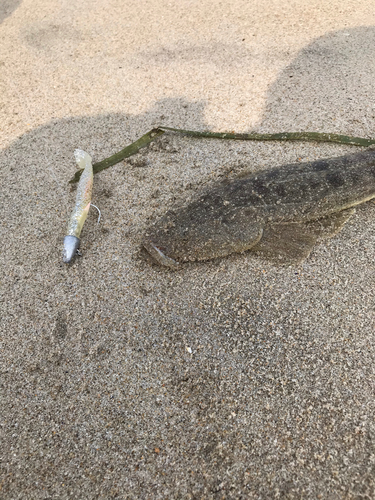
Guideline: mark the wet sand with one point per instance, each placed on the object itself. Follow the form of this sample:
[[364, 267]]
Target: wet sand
[[233, 378]]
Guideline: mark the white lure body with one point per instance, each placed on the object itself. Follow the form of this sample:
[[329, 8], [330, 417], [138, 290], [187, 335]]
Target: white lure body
[[82, 206]]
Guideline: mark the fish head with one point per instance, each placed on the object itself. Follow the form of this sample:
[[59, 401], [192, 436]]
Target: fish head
[[198, 233], [176, 239], [71, 245]]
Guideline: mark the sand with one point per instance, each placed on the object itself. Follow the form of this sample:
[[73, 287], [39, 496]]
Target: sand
[[233, 378]]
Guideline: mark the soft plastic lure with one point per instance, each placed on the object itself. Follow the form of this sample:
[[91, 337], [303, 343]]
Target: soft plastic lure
[[82, 206]]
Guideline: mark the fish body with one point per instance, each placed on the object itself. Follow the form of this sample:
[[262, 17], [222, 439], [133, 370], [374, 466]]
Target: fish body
[[82, 206], [280, 212]]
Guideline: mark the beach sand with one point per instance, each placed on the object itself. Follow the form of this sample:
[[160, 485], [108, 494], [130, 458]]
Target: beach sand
[[233, 378]]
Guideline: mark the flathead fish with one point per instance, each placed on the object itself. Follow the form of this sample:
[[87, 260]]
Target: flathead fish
[[281, 212]]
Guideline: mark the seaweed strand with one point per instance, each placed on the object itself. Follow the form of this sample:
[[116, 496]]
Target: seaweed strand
[[253, 136], [130, 150]]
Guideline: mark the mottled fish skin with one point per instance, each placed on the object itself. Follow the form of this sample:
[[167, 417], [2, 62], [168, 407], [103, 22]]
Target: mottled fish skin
[[235, 216]]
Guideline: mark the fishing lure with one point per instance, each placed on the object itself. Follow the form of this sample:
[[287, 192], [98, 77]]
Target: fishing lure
[[82, 206]]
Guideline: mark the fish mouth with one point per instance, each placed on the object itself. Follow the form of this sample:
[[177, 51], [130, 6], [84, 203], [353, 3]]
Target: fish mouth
[[159, 256]]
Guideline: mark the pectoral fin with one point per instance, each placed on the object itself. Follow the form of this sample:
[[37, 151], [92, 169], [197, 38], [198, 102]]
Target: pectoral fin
[[292, 243], [329, 226], [286, 243]]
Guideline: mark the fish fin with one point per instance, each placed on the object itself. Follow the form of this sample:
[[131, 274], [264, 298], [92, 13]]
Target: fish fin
[[286, 243], [331, 225], [292, 243]]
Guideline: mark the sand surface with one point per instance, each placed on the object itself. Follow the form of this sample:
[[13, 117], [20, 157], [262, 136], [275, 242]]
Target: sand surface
[[227, 379]]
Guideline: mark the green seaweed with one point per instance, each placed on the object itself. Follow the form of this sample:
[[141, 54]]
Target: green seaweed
[[254, 136], [280, 136], [130, 150]]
